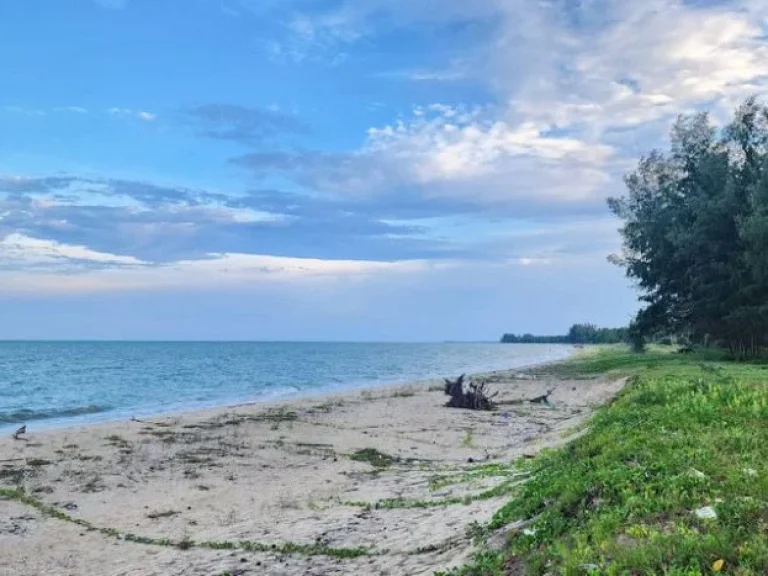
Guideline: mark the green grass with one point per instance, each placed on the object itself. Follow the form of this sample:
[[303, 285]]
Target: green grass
[[475, 473], [688, 431], [373, 457], [503, 489], [316, 549]]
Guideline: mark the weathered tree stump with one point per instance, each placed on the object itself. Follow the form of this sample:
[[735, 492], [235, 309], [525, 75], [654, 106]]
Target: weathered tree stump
[[470, 397]]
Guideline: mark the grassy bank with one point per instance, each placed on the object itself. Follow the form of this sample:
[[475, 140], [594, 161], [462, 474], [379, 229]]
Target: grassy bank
[[671, 478]]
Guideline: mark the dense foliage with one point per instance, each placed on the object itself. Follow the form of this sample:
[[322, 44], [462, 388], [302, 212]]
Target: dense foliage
[[695, 233], [577, 334]]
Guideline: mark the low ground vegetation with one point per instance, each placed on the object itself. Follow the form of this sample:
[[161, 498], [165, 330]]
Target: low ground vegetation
[[671, 477]]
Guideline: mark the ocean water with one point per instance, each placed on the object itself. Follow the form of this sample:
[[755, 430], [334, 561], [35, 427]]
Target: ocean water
[[54, 384]]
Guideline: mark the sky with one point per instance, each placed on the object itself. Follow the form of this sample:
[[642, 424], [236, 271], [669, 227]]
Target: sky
[[336, 169]]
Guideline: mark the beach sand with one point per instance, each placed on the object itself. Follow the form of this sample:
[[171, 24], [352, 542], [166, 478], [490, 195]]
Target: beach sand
[[283, 475]]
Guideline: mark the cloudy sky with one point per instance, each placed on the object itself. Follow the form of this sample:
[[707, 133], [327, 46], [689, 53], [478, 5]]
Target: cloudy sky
[[338, 169]]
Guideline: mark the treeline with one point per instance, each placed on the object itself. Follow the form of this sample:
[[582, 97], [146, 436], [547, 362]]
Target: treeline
[[577, 334], [695, 233]]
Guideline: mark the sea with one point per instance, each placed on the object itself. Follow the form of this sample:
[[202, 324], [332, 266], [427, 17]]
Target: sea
[[60, 384]]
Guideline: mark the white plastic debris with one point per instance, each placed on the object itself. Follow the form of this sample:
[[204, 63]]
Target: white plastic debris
[[697, 473], [706, 513]]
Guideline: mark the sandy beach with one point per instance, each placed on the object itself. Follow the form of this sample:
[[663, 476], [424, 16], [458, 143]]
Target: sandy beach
[[380, 481]]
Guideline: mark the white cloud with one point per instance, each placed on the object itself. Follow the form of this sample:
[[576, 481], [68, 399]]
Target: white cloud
[[446, 152], [23, 111], [643, 62], [146, 116], [322, 35], [72, 109], [19, 250], [570, 57], [453, 145], [456, 70], [325, 29], [583, 89], [217, 212], [85, 193], [34, 265], [525, 261], [140, 114], [353, 20]]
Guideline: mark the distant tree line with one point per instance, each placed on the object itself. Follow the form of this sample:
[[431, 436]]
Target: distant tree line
[[577, 334], [695, 233]]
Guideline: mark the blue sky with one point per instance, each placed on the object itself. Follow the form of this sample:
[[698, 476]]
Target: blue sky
[[336, 169]]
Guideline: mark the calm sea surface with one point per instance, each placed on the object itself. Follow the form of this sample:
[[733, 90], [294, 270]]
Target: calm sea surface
[[63, 383]]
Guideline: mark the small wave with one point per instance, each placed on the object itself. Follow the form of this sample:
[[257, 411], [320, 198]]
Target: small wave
[[279, 392], [26, 415]]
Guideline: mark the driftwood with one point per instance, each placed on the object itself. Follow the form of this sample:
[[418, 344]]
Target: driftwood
[[543, 399], [471, 397]]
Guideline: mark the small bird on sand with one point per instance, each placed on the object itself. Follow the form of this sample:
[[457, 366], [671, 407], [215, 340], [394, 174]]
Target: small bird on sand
[[19, 432]]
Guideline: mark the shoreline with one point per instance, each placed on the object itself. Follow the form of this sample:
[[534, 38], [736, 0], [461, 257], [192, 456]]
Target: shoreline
[[385, 481], [117, 415]]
